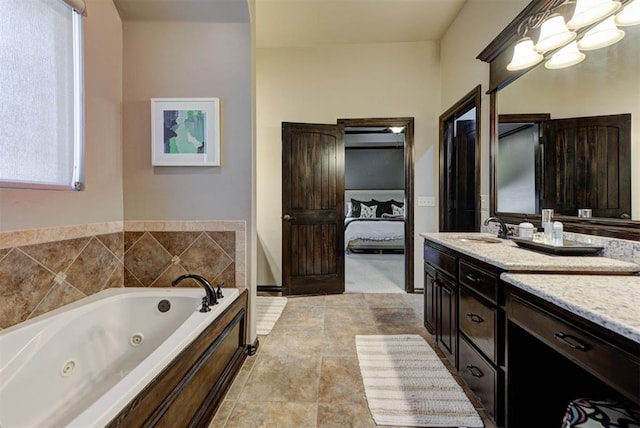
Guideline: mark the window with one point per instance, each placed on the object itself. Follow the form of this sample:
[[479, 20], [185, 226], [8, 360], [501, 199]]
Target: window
[[41, 94]]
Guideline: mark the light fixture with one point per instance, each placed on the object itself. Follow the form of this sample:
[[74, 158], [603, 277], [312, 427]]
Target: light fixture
[[565, 57], [588, 12], [396, 129], [604, 34], [524, 56], [553, 34], [630, 15]]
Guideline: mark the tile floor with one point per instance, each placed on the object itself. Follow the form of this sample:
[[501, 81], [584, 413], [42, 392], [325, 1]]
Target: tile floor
[[306, 374]]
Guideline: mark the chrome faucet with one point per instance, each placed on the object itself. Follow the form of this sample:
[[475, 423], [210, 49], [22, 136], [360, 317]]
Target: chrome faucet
[[208, 288], [503, 233]]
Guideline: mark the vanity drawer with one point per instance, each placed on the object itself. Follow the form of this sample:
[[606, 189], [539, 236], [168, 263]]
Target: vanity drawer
[[480, 281], [480, 376], [618, 368], [441, 260], [478, 321]]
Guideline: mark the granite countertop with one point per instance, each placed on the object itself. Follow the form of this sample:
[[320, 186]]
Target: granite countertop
[[508, 256], [610, 301]]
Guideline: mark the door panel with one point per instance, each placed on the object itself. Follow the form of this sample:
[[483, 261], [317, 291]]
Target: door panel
[[588, 160], [313, 209]]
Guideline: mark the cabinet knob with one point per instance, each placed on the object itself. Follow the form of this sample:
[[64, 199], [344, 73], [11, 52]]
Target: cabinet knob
[[475, 371], [472, 278], [571, 341], [475, 318]]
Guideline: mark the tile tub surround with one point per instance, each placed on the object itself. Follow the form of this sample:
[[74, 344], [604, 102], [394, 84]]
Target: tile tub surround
[[609, 301], [508, 256], [43, 269]]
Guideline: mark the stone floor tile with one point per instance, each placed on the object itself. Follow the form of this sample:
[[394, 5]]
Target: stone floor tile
[[249, 414], [344, 415], [298, 342], [222, 414], [284, 377], [340, 381]]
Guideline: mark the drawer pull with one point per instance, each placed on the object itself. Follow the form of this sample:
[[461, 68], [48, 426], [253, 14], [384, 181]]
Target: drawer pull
[[473, 278], [571, 341], [475, 371], [475, 318]]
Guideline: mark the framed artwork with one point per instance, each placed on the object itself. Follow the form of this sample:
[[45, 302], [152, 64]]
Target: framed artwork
[[185, 131]]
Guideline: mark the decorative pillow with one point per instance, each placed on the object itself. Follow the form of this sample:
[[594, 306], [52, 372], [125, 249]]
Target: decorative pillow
[[356, 204], [384, 207], [349, 210], [396, 210], [397, 203], [368, 212]]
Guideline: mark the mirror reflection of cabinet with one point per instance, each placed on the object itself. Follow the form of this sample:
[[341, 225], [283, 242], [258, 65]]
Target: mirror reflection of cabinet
[[564, 164]]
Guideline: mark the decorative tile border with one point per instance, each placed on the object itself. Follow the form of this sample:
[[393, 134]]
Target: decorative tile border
[[19, 238]]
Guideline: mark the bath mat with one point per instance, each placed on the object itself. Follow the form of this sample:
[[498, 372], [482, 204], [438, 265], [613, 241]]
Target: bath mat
[[406, 384], [268, 310]]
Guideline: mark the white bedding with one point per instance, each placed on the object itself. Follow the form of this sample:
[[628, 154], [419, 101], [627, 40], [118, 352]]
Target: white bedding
[[373, 230]]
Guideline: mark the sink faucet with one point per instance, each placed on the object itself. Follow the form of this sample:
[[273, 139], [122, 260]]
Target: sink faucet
[[211, 293], [503, 233]]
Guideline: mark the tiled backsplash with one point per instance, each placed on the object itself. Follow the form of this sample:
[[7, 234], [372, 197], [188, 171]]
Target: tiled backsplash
[[43, 269]]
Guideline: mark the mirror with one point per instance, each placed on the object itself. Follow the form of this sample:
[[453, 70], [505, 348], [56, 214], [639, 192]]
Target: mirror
[[607, 82]]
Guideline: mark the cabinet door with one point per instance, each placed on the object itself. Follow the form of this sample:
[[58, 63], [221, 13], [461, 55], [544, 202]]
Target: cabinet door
[[430, 287], [447, 318]]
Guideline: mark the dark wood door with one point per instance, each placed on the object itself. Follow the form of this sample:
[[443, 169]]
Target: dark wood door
[[465, 173], [587, 164], [312, 209]]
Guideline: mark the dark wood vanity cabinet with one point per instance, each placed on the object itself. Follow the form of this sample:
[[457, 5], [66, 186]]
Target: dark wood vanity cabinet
[[461, 298], [441, 299], [513, 349]]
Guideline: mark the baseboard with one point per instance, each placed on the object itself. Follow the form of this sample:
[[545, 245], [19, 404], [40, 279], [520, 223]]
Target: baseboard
[[270, 288], [252, 348]]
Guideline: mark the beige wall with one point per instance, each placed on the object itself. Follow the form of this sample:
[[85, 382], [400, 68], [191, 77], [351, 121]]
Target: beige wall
[[187, 59], [323, 84], [102, 199], [461, 71]]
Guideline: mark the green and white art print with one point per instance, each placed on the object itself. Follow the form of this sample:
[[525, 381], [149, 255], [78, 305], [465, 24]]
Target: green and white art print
[[185, 131]]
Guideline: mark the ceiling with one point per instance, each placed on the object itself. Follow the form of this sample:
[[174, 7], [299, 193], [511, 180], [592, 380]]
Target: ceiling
[[297, 23], [293, 23]]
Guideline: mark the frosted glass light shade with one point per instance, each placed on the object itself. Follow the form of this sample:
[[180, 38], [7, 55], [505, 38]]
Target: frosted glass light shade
[[565, 57], [630, 15], [604, 34], [524, 56], [553, 34], [589, 11]]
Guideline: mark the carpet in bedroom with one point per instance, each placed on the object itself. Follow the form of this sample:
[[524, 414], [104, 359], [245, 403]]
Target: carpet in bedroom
[[374, 273]]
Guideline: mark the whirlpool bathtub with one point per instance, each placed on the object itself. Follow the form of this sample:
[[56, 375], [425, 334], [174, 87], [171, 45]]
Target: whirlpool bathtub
[[82, 364]]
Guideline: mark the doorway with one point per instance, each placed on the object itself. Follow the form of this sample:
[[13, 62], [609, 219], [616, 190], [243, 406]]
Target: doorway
[[460, 165], [299, 273]]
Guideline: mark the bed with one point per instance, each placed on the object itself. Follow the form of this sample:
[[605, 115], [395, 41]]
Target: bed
[[374, 220]]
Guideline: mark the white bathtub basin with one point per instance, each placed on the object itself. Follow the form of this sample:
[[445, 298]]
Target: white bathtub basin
[[80, 364]]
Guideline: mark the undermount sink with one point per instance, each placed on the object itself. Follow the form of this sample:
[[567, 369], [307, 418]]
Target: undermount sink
[[481, 239]]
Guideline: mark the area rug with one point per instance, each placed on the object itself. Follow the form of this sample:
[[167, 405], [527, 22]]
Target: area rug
[[268, 310], [406, 384]]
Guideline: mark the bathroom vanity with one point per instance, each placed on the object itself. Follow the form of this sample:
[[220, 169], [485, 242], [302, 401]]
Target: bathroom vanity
[[529, 332]]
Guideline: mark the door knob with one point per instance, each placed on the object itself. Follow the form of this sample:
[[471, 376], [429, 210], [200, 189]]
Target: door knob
[[288, 217]]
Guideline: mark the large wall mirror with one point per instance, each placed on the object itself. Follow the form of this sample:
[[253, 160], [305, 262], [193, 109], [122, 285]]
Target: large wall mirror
[[524, 104]]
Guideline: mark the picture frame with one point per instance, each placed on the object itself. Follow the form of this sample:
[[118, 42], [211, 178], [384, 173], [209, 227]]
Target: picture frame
[[185, 131]]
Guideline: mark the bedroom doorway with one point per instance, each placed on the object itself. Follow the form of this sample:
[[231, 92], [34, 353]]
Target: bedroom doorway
[[378, 204]]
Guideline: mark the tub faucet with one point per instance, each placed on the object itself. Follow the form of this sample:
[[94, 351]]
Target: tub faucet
[[208, 288], [503, 233]]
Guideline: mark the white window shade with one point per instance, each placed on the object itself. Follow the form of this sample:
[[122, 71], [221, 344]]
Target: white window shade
[[41, 101]]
